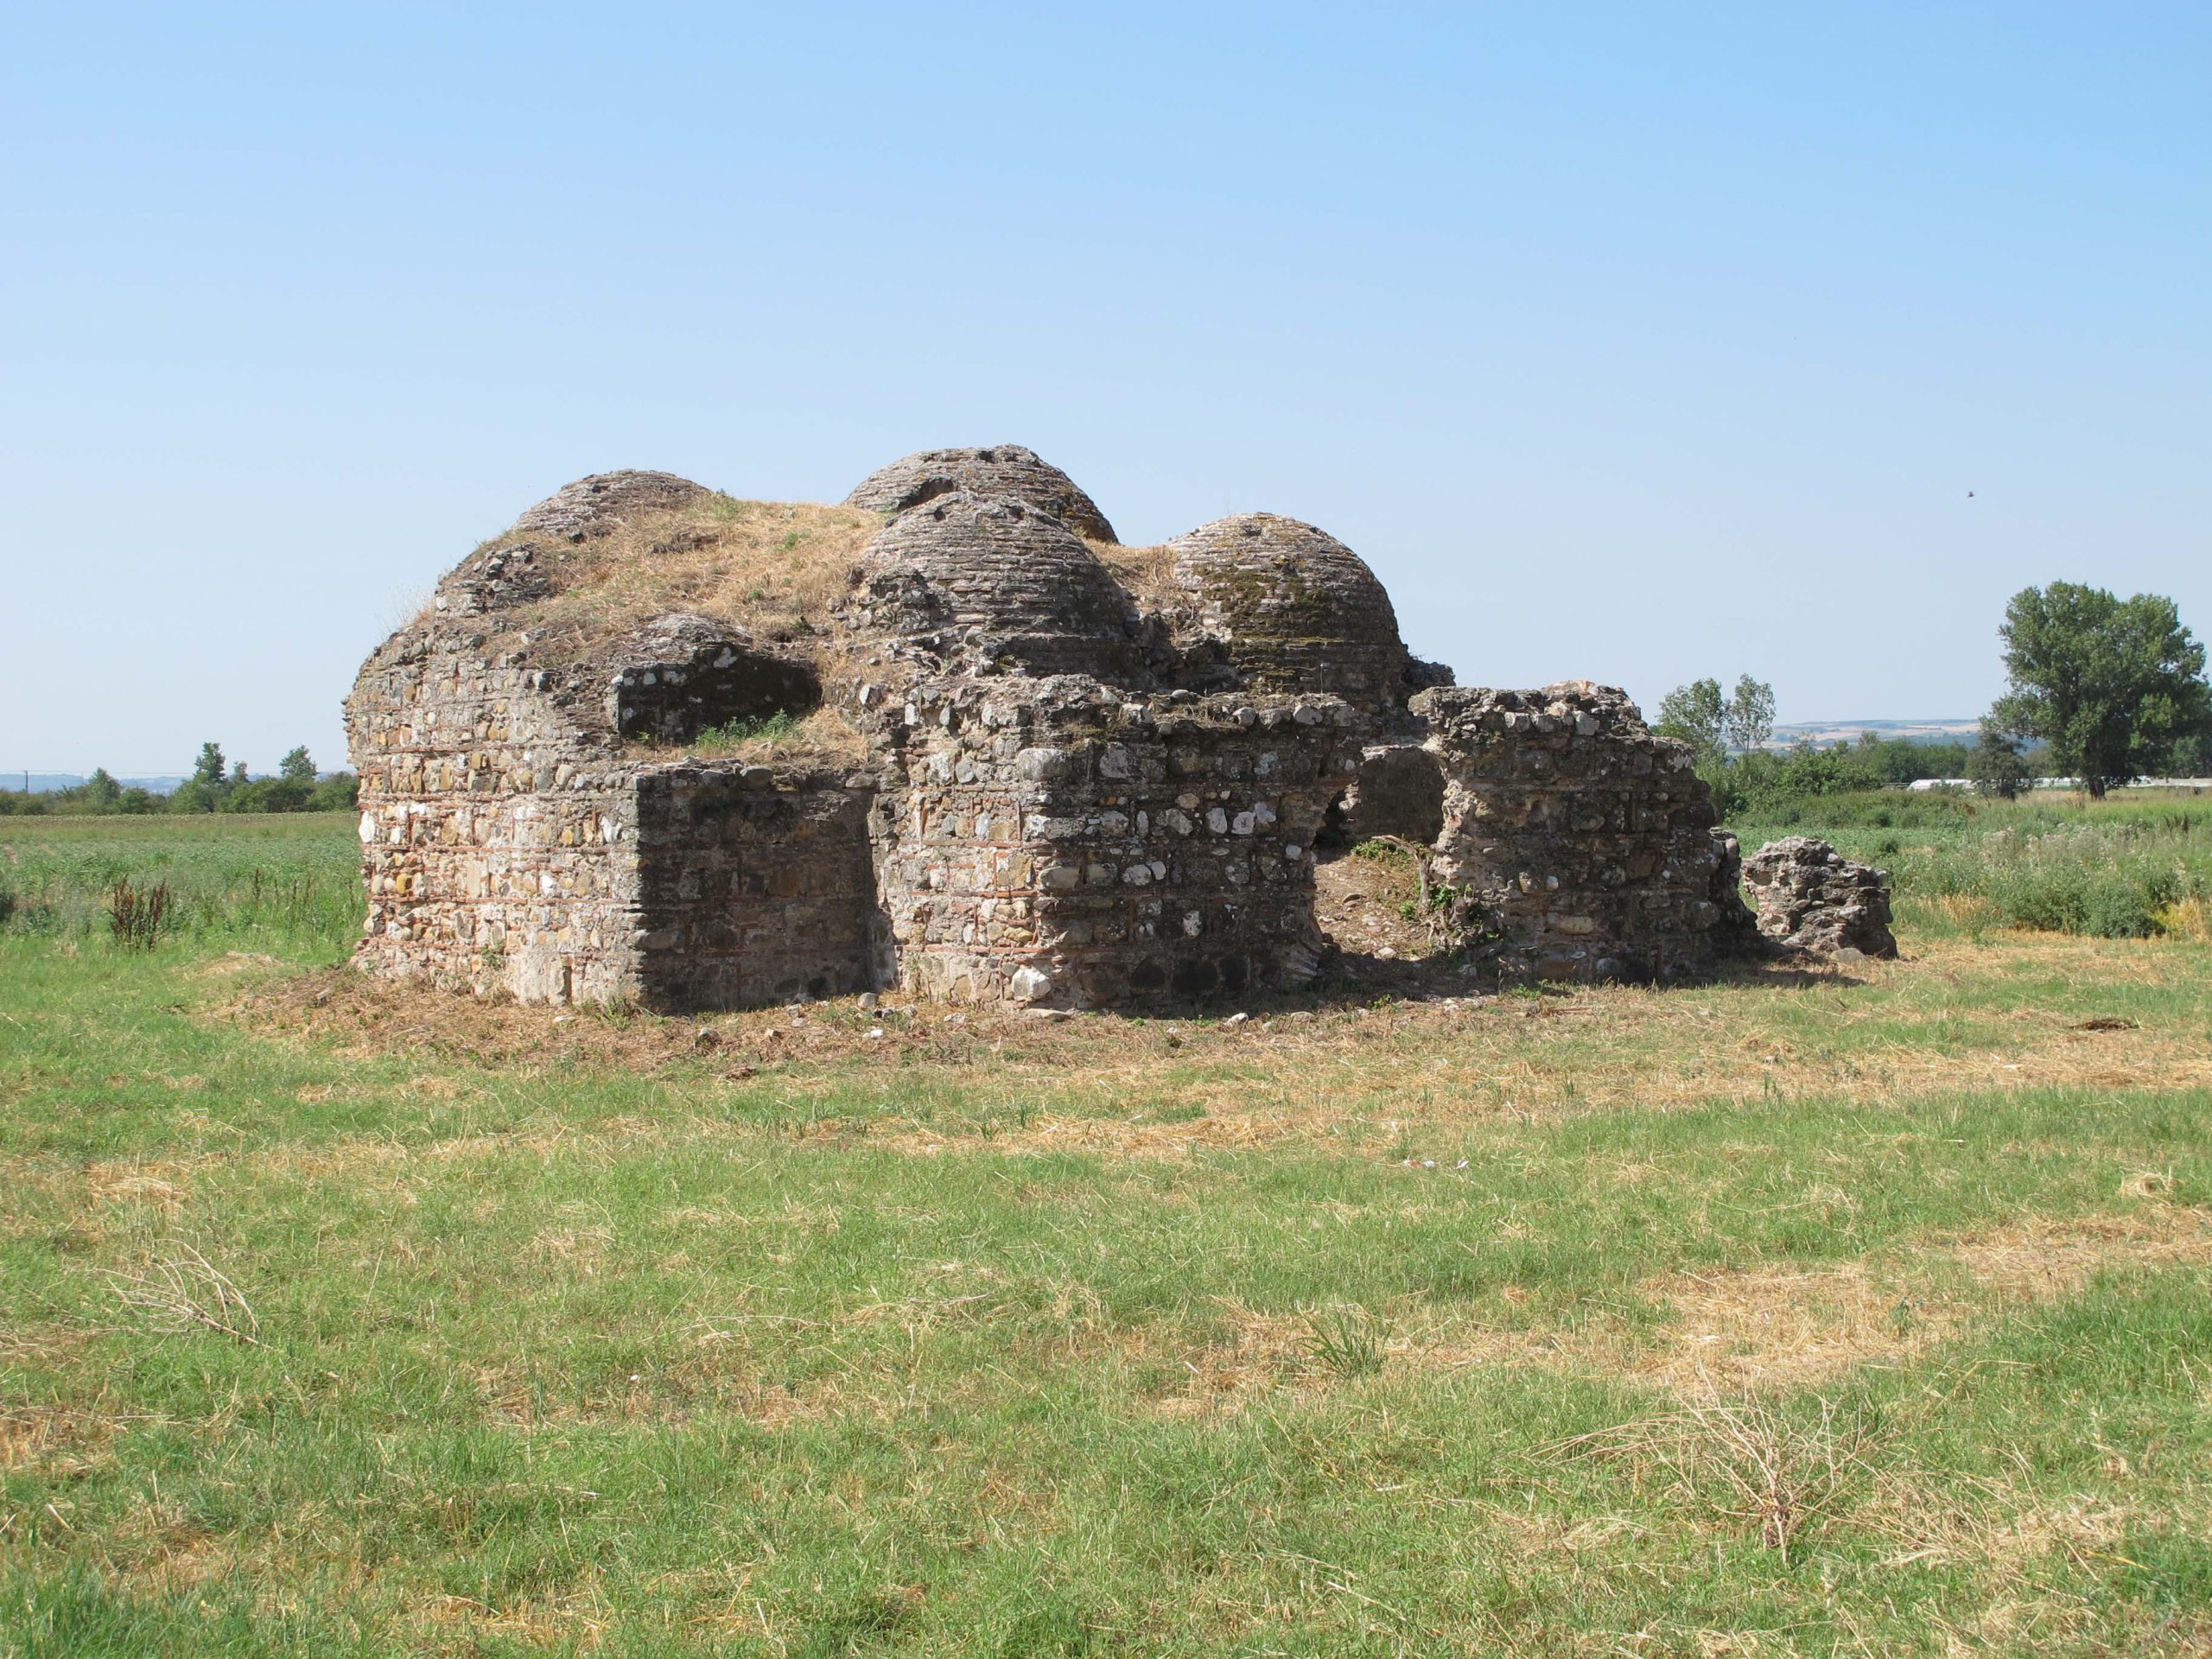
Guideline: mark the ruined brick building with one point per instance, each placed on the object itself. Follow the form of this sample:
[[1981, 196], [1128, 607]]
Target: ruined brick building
[[657, 743]]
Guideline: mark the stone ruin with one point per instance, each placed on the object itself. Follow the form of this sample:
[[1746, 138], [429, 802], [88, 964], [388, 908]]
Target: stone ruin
[[1810, 897], [656, 744]]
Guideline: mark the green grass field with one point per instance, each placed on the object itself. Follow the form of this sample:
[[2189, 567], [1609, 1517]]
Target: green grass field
[[1829, 1312]]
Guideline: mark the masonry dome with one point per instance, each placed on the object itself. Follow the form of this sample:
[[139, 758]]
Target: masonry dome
[[593, 506], [983, 579], [1292, 607], [1004, 469]]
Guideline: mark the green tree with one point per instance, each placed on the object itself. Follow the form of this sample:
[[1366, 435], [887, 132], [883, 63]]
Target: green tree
[[211, 766], [1695, 714], [1808, 770], [1748, 720], [2192, 756], [101, 791], [2113, 686], [1996, 766], [339, 792], [296, 767]]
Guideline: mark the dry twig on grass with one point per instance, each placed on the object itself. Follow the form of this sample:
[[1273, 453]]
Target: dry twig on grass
[[1748, 1459], [180, 1288]]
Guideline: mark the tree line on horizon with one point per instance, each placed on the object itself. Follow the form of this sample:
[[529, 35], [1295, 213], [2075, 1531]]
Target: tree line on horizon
[[217, 784], [2099, 689]]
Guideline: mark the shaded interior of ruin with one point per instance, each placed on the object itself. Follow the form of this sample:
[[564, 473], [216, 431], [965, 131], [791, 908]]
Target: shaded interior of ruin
[[1373, 904], [753, 891]]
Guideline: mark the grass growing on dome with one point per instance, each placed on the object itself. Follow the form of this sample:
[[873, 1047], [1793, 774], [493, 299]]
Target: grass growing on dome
[[1148, 573], [773, 568]]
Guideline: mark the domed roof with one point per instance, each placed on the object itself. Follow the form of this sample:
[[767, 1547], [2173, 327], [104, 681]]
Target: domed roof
[[593, 506], [1294, 608], [988, 577], [1003, 469]]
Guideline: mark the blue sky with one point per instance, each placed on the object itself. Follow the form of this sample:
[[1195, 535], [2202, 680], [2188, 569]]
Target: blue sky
[[1628, 342]]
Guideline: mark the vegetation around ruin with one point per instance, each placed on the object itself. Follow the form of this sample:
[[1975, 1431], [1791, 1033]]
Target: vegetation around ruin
[[1802, 1311]]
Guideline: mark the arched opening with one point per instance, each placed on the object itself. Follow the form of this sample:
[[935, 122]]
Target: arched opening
[[1368, 863], [1334, 838], [711, 684]]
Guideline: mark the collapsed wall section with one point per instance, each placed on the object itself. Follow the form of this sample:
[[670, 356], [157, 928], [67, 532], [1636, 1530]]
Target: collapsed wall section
[[498, 850], [755, 887], [1583, 841], [1057, 842]]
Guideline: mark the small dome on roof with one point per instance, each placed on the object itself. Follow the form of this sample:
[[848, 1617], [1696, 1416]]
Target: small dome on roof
[[1003, 469], [593, 506], [1293, 607], [991, 577]]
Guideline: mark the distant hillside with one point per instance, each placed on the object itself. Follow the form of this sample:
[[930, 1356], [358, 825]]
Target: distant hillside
[[44, 783], [1824, 734]]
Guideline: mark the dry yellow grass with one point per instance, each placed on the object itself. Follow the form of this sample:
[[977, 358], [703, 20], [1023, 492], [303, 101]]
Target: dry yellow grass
[[2190, 919], [1762, 1328], [1733, 1334], [1341, 1076], [1148, 573], [775, 567]]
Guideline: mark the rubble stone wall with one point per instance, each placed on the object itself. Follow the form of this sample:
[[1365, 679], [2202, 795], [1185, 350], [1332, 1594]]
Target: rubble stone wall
[[1812, 898], [1584, 838], [756, 888], [498, 850], [1058, 844]]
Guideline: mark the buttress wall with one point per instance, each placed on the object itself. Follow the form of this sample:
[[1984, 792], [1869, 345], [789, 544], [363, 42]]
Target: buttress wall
[[1064, 844], [498, 850]]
